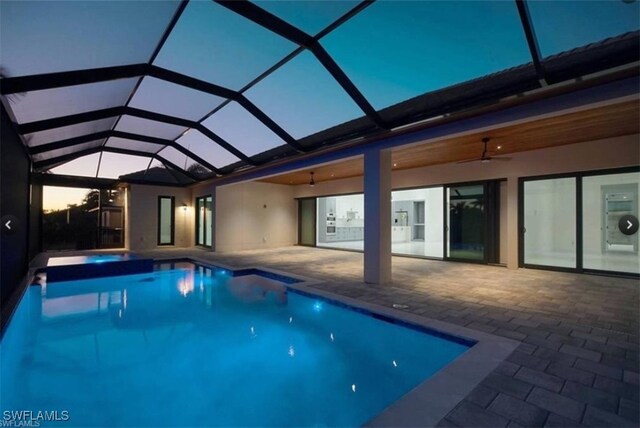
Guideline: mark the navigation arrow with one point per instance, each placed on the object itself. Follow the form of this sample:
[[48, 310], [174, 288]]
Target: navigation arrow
[[10, 224], [628, 224]]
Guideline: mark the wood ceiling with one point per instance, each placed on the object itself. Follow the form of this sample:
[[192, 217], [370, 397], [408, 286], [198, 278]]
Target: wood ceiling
[[594, 124]]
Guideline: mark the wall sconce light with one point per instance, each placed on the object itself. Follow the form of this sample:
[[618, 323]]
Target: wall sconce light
[[312, 181], [184, 207]]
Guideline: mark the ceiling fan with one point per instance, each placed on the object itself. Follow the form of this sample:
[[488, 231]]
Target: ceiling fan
[[485, 157]]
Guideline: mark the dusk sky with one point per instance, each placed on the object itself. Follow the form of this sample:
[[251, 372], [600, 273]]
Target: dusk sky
[[392, 51]]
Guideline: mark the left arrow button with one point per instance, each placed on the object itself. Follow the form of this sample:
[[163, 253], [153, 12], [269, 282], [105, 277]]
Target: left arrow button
[[9, 224]]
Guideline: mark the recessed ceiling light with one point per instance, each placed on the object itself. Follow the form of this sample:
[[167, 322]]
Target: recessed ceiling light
[[499, 147]]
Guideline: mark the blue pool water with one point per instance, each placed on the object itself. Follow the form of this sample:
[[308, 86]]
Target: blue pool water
[[191, 346], [97, 258]]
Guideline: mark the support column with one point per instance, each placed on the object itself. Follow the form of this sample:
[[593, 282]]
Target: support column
[[513, 234], [377, 216]]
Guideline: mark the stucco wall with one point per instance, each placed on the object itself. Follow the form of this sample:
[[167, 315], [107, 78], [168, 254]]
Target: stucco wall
[[254, 215], [142, 217]]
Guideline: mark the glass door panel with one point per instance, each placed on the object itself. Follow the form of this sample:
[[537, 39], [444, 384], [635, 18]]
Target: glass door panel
[[421, 233], [607, 200], [550, 222], [204, 221], [466, 222], [307, 228], [166, 220], [200, 220], [208, 221]]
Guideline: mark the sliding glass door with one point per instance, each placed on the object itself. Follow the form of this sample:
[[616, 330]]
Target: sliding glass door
[[204, 221], [307, 222], [417, 222], [609, 205], [166, 220], [466, 219], [549, 222]]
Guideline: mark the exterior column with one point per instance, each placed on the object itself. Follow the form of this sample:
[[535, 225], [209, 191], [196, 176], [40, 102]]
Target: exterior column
[[512, 223], [377, 216]]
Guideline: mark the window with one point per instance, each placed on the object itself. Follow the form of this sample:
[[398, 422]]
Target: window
[[204, 221], [166, 220]]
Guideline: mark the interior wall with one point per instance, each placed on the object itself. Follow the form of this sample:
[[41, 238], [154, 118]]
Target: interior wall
[[142, 217], [14, 200], [254, 215]]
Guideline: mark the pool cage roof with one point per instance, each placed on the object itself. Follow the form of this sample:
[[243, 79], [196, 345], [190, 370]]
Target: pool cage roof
[[180, 92]]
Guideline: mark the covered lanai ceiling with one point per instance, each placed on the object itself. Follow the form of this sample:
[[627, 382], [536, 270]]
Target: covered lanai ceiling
[[206, 88]]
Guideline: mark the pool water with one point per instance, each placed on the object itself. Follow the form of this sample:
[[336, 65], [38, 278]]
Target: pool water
[[78, 260], [194, 346]]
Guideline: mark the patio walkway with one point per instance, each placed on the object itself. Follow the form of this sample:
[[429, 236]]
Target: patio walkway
[[578, 359]]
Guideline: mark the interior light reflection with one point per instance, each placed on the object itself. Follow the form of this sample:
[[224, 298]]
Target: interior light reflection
[[186, 284]]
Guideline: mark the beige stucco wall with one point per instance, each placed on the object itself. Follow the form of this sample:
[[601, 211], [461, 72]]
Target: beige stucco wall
[[142, 216], [254, 215]]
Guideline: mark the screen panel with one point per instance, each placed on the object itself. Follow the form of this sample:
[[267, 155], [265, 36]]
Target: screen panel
[[242, 130], [167, 98], [113, 165], [309, 16], [66, 151], [303, 98], [208, 150], [183, 161], [85, 166], [50, 103], [564, 25], [141, 146], [394, 51], [214, 44], [151, 128], [71, 131], [51, 36]]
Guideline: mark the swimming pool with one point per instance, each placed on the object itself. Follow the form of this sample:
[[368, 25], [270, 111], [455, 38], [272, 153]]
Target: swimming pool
[[190, 345]]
